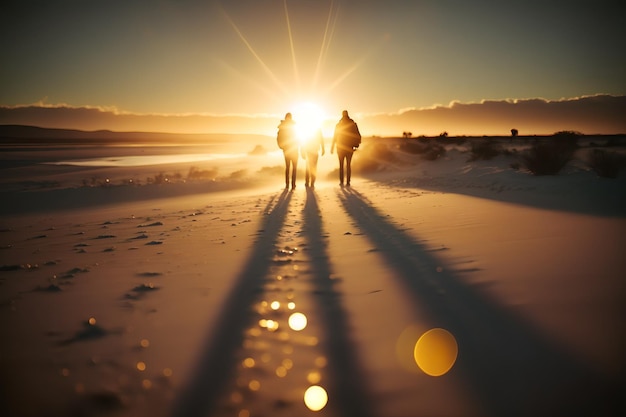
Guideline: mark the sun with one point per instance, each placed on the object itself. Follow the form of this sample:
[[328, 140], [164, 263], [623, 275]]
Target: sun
[[309, 118]]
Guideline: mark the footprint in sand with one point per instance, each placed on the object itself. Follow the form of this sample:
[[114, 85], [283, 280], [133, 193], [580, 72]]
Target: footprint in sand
[[140, 291], [151, 224], [72, 273], [105, 237], [90, 330]]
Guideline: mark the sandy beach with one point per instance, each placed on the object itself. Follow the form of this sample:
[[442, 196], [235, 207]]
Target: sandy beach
[[200, 287]]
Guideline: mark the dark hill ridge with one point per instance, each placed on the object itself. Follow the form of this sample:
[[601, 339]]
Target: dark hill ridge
[[33, 135], [18, 134]]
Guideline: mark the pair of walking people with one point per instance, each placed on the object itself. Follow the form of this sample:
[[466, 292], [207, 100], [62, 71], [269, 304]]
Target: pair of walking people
[[346, 139]]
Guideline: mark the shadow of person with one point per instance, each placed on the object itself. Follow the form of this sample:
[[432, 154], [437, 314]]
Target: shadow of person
[[346, 375], [216, 362], [511, 366]]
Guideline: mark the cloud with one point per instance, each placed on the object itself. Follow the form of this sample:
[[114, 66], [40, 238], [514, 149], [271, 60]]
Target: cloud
[[602, 114], [89, 118], [597, 114]]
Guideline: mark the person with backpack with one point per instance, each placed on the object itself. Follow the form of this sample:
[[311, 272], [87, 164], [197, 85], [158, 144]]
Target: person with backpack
[[347, 138], [288, 142], [310, 152]]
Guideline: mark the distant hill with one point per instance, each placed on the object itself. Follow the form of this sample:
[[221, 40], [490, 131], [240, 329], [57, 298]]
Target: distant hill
[[32, 134]]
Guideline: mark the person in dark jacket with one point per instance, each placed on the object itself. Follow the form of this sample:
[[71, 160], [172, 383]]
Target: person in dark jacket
[[288, 142], [347, 138]]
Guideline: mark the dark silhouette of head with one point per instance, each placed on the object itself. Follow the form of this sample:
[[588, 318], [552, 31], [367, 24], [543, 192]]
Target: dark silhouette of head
[[344, 114], [288, 116]]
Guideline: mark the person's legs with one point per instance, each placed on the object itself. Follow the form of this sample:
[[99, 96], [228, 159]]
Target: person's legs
[[311, 159], [341, 158], [307, 171], [348, 167], [287, 163], [294, 169]]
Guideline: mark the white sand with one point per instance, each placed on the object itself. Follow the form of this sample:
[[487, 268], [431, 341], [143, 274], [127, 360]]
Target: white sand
[[526, 272]]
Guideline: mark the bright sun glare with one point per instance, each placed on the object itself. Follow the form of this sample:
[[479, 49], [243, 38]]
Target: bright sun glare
[[308, 117]]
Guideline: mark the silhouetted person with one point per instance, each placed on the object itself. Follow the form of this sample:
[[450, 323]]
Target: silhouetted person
[[310, 152], [288, 142], [347, 138]]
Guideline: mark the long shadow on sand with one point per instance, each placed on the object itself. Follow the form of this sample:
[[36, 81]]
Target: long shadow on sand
[[200, 395], [346, 377], [511, 368]]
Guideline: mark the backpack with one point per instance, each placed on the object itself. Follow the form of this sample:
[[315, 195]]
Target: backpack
[[353, 136], [284, 138]]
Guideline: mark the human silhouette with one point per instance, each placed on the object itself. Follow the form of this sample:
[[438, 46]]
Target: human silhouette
[[310, 152], [288, 142], [347, 138]]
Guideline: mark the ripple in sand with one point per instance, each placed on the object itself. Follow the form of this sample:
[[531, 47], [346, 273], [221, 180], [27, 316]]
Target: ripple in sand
[[140, 236], [151, 224], [150, 274], [145, 288], [72, 272], [154, 242]]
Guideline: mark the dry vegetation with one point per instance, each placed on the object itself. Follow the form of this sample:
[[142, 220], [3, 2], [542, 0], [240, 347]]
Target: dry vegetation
[[538, 155]]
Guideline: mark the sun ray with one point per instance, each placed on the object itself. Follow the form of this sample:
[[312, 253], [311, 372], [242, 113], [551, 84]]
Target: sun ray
[[355, 66], [294, 61], [270, 93], [294, 94], [329, 30], [267, 70]]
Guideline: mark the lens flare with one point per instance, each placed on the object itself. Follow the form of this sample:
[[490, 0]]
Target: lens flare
[[315, 398], [436, 352], [297, 321], [405, 346], [314, 377]]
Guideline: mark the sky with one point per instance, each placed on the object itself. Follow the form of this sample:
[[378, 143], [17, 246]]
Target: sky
[[259, 58]]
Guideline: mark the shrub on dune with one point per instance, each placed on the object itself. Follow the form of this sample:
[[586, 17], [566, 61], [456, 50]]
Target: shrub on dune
[[548, 157], [201, 174], [484, 149], [606, 164], [429, 149]]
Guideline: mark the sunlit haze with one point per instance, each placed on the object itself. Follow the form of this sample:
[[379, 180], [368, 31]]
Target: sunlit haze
[[309, 118]]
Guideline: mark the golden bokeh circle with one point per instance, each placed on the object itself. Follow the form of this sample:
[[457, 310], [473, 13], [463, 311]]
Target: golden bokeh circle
[[435, 352], [315, 398]]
